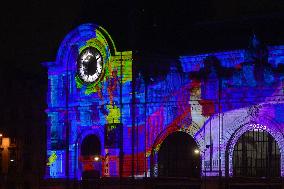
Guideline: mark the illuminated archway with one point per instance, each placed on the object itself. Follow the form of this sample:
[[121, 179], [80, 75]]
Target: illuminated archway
[[256, 154], [271, 130], [179, 156], [90, 156], [187, 126]]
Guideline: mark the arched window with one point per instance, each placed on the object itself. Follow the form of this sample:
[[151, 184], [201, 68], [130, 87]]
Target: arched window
[[179, 156], [256, 154]]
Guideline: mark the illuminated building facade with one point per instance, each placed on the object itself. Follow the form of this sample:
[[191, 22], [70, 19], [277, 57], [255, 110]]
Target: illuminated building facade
[[216, 114]]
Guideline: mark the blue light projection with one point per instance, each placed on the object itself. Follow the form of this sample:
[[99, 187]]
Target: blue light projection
[[76, 108], [57, 164], [214, 101]]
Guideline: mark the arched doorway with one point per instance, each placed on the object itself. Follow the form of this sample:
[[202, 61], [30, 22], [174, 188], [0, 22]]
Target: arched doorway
[[256, 154], [179, 156], [91, 146], [91, 157]]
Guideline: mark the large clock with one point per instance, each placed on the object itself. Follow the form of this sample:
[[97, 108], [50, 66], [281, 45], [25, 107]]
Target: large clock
[[90, 65]]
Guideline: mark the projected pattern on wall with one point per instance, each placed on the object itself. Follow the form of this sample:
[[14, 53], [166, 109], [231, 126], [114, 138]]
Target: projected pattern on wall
[[215, 98], [80, 105]]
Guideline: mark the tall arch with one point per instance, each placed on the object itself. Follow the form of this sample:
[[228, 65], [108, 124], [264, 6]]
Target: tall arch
[[98, 133], [265, 126], [256, 154], [179, 156], [188, 126]]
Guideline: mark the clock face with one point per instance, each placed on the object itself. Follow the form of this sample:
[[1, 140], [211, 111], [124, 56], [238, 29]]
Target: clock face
[[90, 65]]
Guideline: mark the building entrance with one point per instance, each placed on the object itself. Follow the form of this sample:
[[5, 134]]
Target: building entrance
[[179, 156], [91, 157]]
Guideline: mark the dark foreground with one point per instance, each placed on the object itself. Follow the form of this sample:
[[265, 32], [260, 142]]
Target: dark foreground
[[168, 183]]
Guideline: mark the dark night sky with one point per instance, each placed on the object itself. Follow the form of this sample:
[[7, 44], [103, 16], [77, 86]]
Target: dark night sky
[[31, 32]]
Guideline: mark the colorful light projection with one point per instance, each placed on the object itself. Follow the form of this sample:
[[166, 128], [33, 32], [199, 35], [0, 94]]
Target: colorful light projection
[[210, 109], [112, 135], [56, 163], [100, 44], [111, 68], [113, 115], [52, 158], [77, 107], [270, 127], [220, 111]]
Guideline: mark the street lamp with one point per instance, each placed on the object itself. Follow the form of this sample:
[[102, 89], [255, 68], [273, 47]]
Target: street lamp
[[196, 151], [96, 158]]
